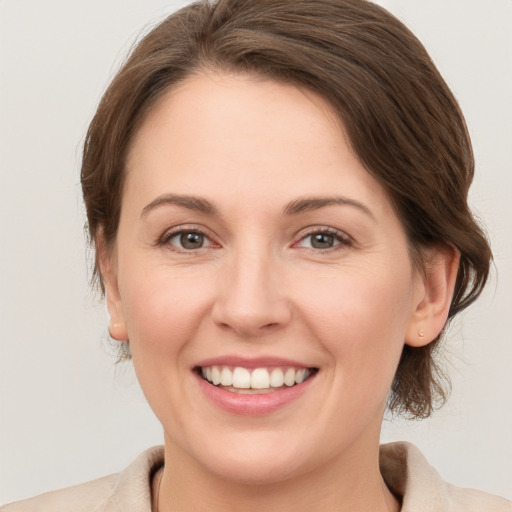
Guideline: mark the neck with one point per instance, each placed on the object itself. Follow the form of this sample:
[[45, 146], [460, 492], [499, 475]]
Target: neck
[[349, 483]]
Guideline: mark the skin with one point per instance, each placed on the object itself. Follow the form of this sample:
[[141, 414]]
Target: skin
[[259, 287]]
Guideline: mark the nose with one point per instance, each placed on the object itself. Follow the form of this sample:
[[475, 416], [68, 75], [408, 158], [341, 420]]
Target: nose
[[252, 299]]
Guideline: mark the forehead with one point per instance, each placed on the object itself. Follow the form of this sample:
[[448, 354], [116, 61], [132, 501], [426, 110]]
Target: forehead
[[233, 135]]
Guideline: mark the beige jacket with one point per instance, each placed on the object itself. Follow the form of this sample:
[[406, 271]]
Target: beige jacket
[[403, 467]]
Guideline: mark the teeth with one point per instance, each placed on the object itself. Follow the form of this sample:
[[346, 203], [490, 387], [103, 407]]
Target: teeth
[[300, 376], [226, 377], [241, 378], [276, 378], [289, 377], [259, 378], [215, 375]]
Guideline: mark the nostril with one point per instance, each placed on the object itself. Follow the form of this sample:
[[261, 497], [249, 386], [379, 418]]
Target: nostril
[[248, 327], [250, 307]]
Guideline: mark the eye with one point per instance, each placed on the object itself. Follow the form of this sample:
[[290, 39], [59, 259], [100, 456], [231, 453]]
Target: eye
[[189, 240], [324, 240]]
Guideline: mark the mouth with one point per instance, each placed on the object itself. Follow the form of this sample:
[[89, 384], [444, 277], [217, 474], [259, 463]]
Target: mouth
[[238, 379]]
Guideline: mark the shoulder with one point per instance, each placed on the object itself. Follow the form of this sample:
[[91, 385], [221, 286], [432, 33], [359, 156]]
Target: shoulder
[[127, 491], [408, 474], [83, 497]]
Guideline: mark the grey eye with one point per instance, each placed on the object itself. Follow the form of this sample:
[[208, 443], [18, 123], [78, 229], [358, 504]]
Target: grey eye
[[189, 240], [322, 241], [192, 240]]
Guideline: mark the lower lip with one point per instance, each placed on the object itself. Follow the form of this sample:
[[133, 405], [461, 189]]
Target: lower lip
[[253, 404]]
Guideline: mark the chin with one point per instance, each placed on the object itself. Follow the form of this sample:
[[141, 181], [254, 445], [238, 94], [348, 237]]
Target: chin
[[258, 471], [250, 459]]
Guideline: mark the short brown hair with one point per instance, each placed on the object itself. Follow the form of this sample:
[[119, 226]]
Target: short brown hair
[[402, 120]]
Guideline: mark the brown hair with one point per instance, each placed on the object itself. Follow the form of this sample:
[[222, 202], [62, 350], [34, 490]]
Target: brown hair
[[403, 122]]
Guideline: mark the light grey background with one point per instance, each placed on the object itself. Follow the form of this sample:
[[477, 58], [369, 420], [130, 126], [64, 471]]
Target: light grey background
[[66, 414]]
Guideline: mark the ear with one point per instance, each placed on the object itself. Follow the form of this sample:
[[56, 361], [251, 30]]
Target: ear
[[434, 294], [107, 261]]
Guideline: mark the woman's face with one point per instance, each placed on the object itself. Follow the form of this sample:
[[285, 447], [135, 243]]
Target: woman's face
[[253, 247]]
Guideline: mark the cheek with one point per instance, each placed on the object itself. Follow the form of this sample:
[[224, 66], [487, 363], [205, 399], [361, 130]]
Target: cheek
[[360, 298], [361, 316], [163, 309]]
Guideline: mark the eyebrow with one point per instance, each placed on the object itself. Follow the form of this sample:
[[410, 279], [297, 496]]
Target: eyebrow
[[295, 207], [314, 203], [190, 202]]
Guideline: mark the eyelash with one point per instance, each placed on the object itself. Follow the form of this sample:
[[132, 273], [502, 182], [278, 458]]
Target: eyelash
[[168, 236], [343, 239]]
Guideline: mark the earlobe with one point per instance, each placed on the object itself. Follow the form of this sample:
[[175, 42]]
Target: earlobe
[[117, 331], [108, 268], [434, 296]]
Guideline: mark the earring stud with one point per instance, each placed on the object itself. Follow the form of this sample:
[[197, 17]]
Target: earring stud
[[421, 333]]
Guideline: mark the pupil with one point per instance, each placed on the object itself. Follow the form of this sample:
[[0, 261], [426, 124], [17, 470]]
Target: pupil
[[192, 240], [322, 241]]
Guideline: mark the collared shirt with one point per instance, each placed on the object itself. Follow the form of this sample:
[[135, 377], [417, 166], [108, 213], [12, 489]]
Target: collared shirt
[[404, 469]]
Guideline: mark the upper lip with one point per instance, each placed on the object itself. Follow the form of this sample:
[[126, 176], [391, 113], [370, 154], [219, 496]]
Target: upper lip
[[251, 362]]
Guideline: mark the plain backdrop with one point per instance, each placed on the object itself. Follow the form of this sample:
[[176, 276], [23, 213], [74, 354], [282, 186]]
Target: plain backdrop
[[67, 414]]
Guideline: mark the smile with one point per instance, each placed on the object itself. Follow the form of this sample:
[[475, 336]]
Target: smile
[[254, 380]]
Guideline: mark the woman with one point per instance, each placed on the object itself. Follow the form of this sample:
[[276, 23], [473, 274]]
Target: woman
[[276, 191]]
